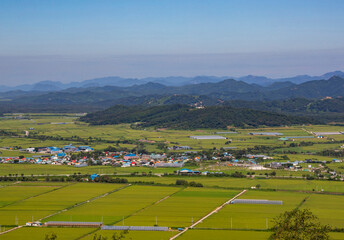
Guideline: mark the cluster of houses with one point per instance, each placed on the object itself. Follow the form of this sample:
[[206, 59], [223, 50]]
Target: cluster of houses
[[125, 159], [117, 159], [63, 156], [55, 150], [296, 165]]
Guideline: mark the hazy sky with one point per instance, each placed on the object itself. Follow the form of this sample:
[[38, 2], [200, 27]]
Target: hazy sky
[[73, 40]]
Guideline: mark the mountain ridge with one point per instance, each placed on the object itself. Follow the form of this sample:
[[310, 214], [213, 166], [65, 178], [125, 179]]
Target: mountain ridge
[[168, 81]]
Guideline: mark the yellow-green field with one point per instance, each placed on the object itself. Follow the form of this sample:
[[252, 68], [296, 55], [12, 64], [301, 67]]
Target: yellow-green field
[[329, 208], [116, 206], [45, 204], [164, 203], [137, 205], [181, 209], [42, 125], [253, 216], [246, 183]]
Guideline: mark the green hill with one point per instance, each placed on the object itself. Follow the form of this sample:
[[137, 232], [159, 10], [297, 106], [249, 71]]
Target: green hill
[[185, 117]]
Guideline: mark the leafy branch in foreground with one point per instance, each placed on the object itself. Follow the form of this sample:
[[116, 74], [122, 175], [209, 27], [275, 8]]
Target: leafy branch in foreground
[[299, 225]]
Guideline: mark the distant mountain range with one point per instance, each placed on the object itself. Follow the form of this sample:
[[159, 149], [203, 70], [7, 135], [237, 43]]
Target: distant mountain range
[[48, 86], [283, 97], [221, 91]]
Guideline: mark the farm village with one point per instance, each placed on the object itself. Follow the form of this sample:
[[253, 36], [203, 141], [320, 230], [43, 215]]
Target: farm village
[[78, 181], [62, 156]]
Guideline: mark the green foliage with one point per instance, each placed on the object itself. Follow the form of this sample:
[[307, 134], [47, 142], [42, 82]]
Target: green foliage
[[185, 117], [52, 236], [299, 225], [186, 183]]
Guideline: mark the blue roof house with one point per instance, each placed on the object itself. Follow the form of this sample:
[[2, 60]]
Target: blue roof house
[[93, 176]]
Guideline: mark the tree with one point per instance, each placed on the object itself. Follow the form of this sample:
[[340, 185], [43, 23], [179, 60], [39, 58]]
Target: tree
[[115, 236], [120, 236], [53, 236], [299, 225]]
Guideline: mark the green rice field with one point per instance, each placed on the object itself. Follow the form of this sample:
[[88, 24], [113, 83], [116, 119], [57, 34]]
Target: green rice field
[[224, 234], [329, 208], [116, 206], [246, 183], [253, 216], [40, 233], [45, 204], [142, 203], [181, 209]]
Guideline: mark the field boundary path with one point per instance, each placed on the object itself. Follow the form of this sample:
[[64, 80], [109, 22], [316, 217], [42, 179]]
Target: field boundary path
[[136, 212], [12, 229], [145, 207], [39, 194], [154, 203], [84, 202], [208, 215], [71, 207]]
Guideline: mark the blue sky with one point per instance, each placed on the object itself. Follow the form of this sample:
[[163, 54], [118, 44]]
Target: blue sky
[[72, 40]]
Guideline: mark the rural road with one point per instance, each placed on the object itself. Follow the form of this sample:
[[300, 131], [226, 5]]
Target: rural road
[[208, 215]]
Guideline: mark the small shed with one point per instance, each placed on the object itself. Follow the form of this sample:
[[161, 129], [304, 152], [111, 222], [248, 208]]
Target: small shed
[[93, 176]]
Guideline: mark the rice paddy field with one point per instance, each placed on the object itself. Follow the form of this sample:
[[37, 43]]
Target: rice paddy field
[[40, 233], [134, 235], [253, 216], [140, 205], [15, 193], [223, 234], [246, 183], [118, 206], [182, 209], [50, 125], [163, 203], [329, 209], [54, 200]]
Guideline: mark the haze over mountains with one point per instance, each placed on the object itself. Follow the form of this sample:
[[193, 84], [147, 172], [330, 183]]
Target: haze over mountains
[[224, 90], [320, 98], [167, 81]]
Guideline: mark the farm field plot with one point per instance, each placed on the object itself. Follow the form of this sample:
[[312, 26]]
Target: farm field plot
[[38, 169], [182, 208], [314, 148], [44, 184], [241, 183], [232, 169], [42, 170], [43, 126], [134, 235], [49, 203], [253, 216], [336, 236], [4, 184], [224, 234], [12, 194], [328, 208], [116, 206], [40, 233]]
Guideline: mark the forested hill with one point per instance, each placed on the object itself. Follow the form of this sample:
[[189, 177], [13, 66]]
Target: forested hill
[[185, 117]]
